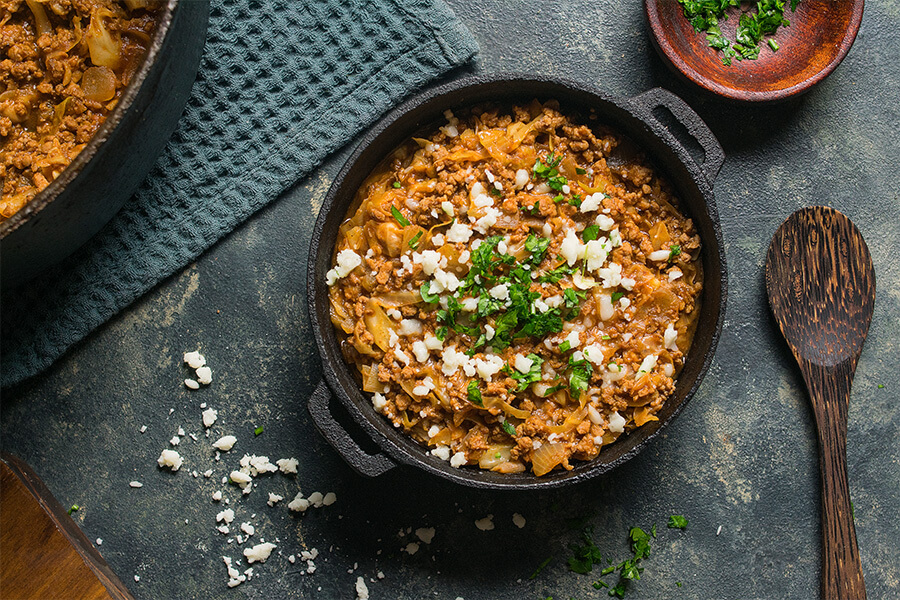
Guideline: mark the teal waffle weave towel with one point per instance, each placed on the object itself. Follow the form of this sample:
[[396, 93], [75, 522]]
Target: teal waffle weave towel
[[322, 72]]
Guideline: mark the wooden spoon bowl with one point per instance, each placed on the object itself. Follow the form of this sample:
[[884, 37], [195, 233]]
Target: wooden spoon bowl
[[819, 36]]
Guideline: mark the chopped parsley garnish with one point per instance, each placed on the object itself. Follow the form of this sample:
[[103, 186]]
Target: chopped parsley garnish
[[532, 376], [540, 567], [753, 26], [537, 246], [427, 296], [548, 170], [414, 242], [441, 333], [73, 508], [616, 296], [580, 171], [575, 201], [495, 191], [558, 198], [677, 522], [397, 184], [474, 394], [508, 428], [586, 555], [604, 337], [556, 274], [590, 233], [580, 376], [258, 431], [399, 216], [565, 346], [674, 250]]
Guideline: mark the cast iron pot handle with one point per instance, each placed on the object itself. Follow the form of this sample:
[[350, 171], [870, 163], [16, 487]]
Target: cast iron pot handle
[[714, 156], [370, 465]]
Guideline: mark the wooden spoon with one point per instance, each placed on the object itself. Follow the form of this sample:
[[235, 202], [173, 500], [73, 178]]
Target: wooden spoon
[[821, 287]]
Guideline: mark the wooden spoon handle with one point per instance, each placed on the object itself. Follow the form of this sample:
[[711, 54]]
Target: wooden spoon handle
[[829, 389]]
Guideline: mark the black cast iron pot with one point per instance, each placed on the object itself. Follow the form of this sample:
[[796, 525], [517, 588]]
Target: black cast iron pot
[[96, 184], [368, 441]]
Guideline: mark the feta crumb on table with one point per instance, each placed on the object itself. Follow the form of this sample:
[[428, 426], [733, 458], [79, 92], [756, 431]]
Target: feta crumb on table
[[259, 552], [171, 459]]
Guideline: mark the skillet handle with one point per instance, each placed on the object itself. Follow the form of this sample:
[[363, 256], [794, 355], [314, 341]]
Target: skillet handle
[[370, 465], [713, 155]]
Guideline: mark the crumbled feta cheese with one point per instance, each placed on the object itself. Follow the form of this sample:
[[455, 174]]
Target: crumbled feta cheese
[[347, 260], [329, 499], [458, 460], [225, 443], [316, 499], [169, 458], [362, 592], [402, 356], [452, 360], [604, 222], [500, 292], [287, 465], [259, 552], [194, 360], [442, 452], [209, 417], [523, 363], [248, 529], [573, 339], [611, 275], [518, 520], [432, 343], [615, 238], [616, 422], [522, 177], [459, 233], [411, 548], [379, 401], [204, 375], [659, 255], [489, 219], [592, 202], [485, 524], [628, 283], [594, 353], [191, 384], [669, 337], [571, 248], [274, 499], [226, 516], [469, 304], [240, 478], [234, 576], [217, 496], [136, 484], [299, 503], [489, 366], [410, 327], [443, 281], [596, 252], [646, 366], [175, 440], [429, 259], [426, 534]]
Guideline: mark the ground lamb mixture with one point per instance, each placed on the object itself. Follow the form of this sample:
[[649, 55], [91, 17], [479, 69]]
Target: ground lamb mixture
[[516, 290], [65, 64]]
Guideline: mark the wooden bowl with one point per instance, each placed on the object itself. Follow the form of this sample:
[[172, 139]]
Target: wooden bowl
[[819, 36]]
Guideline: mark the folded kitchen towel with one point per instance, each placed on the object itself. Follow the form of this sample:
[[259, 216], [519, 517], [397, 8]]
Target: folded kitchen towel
[[281, 86]]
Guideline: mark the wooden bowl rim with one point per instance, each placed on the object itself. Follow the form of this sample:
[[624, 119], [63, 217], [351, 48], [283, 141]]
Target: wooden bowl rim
[[673, 56]]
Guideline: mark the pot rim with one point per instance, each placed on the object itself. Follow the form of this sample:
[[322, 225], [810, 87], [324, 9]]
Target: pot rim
[[462, 92], [55, 188]]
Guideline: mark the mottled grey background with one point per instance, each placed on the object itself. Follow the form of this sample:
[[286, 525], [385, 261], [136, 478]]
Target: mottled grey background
[[742, 456]]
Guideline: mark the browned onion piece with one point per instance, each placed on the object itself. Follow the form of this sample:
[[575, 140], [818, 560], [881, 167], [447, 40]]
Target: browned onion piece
[[547, 457], [98, 83]]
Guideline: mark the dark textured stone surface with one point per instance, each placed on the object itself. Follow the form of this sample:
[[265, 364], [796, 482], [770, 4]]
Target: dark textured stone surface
[[742, 456]]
